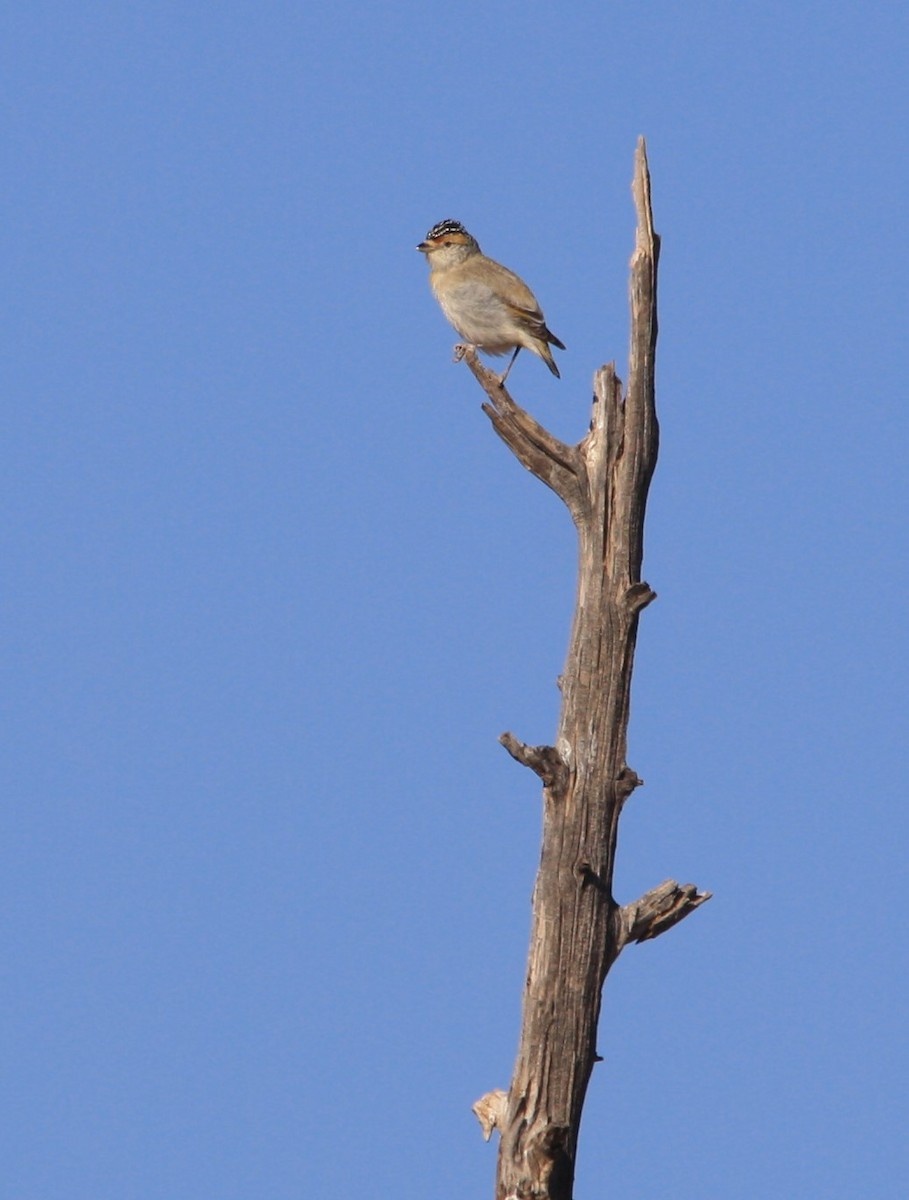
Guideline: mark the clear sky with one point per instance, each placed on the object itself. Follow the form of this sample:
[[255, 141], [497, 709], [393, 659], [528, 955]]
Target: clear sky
[[272, 588]]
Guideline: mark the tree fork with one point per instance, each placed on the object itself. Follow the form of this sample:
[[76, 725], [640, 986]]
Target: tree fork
[[578, 929]]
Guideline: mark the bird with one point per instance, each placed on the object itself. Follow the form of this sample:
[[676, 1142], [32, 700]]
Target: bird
[[491, 308]]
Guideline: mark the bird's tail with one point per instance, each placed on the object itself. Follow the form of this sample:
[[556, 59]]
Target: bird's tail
[[546, 353]]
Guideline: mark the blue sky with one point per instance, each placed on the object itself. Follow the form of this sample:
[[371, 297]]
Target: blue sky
[[272, 588]]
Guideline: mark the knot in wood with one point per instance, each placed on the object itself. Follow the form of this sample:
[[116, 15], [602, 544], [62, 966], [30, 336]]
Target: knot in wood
[[626, 781], [638, 596]]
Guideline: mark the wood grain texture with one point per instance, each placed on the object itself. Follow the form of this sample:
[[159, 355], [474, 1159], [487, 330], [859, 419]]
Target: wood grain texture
[[578, 930]]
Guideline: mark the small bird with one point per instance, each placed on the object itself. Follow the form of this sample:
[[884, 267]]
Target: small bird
[[488, 305]]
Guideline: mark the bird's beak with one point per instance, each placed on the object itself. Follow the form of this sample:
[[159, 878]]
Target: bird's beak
[[424, 247]]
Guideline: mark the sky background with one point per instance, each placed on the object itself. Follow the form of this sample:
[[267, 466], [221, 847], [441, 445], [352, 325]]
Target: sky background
[[272, 588]]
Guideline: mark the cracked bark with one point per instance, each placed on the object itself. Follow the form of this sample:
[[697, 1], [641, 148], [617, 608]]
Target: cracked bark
[[578, 929]]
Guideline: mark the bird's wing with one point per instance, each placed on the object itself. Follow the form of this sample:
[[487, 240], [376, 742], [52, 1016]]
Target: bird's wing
[[520, 297], [524, 307], [535, 323], [531, 317]]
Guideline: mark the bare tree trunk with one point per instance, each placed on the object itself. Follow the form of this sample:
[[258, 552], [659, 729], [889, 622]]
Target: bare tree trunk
[[578, 928]]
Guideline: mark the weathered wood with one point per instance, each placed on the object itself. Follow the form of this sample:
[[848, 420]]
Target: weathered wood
[[658, 910], [578, 929], [545, 761]]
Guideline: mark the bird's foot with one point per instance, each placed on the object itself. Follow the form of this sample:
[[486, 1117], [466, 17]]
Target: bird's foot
[[461, 349]]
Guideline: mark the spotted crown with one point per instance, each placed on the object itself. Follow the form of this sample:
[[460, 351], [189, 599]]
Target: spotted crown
[[445, 227]]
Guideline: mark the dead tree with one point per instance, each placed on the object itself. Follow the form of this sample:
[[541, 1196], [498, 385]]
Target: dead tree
[[578, 928]]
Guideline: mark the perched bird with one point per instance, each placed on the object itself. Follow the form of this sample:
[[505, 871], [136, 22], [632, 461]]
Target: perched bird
[[489, 306]]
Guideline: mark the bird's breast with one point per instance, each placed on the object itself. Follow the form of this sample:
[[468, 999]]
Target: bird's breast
[[478, 314]]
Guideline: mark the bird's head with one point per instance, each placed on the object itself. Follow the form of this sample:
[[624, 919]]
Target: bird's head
[[448, 244]]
